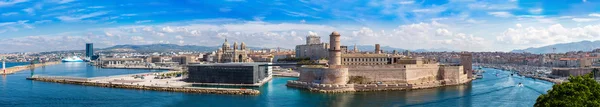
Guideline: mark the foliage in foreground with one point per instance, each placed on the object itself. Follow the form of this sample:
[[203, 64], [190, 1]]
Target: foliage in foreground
[[580, 91]]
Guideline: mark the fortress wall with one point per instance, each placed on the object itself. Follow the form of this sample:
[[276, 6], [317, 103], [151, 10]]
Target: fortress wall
[[421, 73], [324, 75], [379, 73], [451, 74]]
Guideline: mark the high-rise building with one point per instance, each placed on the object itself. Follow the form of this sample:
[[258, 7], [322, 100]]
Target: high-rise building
[[89, 50]]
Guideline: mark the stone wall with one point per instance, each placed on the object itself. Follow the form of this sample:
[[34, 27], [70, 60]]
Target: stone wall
[[380, 73], [453, 74], [421, 73], [324, 75]]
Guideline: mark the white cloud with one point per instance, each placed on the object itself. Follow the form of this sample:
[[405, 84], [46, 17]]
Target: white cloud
[[429, 10], [80, 17], [143, 21], [259, 34], [536, 11], [475, 21], [584, 19], [108, 34], [492, 6], [96, 7], [42, 21], [5, 3], [9, 13], [29, 11], [501, 14], [594, 14], [407, 2], [417, 36], [63, 1], [128, 14], [519, 25], [168, 29], [7, 23], [529, 36]]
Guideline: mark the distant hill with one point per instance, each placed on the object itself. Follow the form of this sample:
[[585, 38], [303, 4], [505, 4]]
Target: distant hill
[[165, 48], [563, 47]]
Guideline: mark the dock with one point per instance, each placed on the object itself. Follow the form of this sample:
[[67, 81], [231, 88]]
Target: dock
[[132, 81], [16, 69]]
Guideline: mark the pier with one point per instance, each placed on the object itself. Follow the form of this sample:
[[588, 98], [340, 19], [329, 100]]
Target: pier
[[143, 81], [16, 69]]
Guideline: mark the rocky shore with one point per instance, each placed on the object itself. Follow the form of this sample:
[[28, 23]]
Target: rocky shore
[[154, 88], [16, 69]]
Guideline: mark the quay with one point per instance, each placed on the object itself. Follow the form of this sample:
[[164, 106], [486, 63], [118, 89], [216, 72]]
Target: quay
[[138, 67], [143, 81], [16, 69], [286, 74]]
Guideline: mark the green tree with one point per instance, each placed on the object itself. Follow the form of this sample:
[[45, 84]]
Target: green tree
[[595, 72], [580, 91]]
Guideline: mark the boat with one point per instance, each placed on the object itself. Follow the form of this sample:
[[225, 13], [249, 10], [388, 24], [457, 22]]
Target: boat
[[72, 59]]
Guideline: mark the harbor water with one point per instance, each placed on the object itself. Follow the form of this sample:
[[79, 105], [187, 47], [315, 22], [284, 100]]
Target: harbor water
[[496, 89]]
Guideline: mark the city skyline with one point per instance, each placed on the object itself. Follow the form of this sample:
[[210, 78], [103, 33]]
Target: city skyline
[[465, 25]]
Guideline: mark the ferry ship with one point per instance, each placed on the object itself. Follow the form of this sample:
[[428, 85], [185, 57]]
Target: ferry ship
[[72, 59]]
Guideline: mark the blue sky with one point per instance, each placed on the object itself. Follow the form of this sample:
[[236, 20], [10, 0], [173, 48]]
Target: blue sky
[[469, 25]]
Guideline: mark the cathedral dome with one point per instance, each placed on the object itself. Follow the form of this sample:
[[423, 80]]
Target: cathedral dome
[[225, 44]]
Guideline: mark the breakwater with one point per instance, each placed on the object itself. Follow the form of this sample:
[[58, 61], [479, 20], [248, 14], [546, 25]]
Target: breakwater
[[90, 82], [15, 69]]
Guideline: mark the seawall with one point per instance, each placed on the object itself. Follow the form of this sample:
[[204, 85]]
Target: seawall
[[16, 69], [87, 82]]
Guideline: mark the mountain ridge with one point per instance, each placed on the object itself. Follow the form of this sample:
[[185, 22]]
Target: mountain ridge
[[585, 45]]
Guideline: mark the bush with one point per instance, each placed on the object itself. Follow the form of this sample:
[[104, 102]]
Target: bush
[[580, 91]]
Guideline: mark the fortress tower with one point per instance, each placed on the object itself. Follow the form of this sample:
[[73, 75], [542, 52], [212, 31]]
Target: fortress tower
[[335, 52]]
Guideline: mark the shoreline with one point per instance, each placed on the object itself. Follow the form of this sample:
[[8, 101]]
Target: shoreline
[[15, 69], [128, 81]]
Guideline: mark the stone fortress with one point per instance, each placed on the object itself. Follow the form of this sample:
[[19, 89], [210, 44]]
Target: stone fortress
[[232, 54], [355, 71]]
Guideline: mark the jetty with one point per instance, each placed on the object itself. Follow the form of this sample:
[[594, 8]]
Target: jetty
[[16, 69], [143, 81]]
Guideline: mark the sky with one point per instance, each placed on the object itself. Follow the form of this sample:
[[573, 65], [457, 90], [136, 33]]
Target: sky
[[464, 25]]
